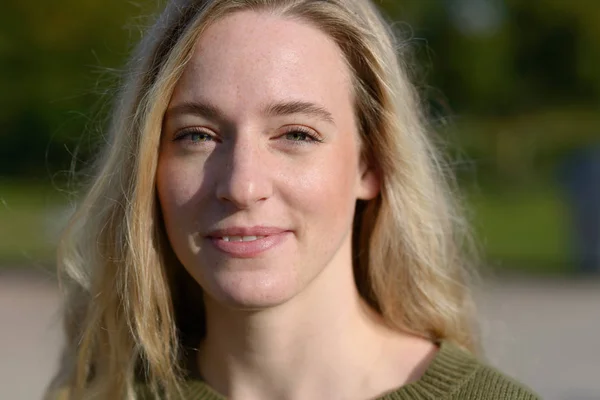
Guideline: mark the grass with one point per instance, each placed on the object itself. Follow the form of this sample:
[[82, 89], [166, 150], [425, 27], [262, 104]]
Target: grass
[[30, 217], [525, 229]]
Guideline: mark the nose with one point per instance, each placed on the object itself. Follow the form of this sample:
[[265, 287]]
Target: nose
[[244, 179]]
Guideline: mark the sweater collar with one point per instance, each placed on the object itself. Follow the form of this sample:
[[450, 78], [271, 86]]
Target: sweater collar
[[450, 367]]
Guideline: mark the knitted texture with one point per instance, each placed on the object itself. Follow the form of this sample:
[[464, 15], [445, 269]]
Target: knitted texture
[[454, 374]]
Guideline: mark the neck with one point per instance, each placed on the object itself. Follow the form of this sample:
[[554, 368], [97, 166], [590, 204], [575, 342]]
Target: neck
[[320, 344]]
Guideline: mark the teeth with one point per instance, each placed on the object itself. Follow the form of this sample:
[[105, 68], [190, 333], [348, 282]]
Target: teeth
[[241, 238]]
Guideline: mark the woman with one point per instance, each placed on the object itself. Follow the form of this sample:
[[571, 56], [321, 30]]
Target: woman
[[270, 221]]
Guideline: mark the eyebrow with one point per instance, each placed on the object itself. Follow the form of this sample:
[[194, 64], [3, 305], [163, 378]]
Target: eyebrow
[[300, 107], [195, 108], [274, 109]]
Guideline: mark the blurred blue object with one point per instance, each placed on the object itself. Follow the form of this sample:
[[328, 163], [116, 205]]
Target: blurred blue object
[[581, 179]]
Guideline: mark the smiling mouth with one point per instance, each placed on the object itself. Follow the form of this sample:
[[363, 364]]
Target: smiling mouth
[[241, 238], [248, 246]]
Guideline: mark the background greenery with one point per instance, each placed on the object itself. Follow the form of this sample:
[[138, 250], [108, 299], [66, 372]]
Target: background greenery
[[512, 88]]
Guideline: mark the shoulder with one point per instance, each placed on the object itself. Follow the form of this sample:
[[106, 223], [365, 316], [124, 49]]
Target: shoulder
[[488, 383], [455, 374]]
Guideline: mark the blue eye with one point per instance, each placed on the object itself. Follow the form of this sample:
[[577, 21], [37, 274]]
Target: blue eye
[[299, 135], [199, 137], [195, 136]]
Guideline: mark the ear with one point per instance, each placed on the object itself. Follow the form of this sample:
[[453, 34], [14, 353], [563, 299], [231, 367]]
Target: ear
[[369, 184]]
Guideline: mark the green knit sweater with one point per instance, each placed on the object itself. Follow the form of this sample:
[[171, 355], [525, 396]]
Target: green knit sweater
[[452, 375]]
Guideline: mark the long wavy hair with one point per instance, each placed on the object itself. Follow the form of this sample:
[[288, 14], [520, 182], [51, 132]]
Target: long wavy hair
[[124, 315]]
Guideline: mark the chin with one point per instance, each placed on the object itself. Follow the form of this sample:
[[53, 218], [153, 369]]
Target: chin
[[251, 290]]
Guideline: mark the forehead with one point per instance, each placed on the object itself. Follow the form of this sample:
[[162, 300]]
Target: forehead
[[250, 58]]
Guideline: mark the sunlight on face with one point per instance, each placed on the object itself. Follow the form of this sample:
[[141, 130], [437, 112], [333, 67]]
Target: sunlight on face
[[259, 166]]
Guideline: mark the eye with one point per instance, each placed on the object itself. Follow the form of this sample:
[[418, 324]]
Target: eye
[[194, 136], [301, 134]]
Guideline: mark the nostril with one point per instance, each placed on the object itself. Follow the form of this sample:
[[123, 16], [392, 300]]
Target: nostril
[[244, 192], [244, 177]]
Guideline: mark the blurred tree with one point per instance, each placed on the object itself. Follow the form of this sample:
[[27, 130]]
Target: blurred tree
[[58, 58], [491, 61]]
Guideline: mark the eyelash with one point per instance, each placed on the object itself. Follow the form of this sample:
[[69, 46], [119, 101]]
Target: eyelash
[[308, 133], [193, 131]]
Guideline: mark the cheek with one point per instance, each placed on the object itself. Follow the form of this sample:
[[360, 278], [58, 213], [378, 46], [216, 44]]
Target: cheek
[[327, 186], [177, 185]]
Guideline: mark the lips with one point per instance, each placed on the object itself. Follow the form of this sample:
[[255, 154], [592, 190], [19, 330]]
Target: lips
[[247, 242], [246, 231]]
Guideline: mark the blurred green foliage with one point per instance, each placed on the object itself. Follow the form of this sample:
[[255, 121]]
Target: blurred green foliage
[[32, 216], [511, 86], [60, 61], [498, 63]]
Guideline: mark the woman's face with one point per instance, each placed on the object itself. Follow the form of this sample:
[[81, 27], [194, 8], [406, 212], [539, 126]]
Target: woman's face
[[259, 167]]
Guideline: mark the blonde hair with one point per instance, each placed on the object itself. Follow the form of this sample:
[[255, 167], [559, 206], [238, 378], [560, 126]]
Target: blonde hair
[[122, 318]]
